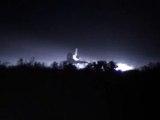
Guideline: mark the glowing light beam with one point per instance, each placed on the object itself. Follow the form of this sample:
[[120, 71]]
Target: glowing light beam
[[124, 67]]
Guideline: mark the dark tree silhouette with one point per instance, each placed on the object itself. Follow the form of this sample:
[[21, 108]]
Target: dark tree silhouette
[[101, 66], [35, 91], [3, 65], [91, 66], [55, 65], [69, 67], [20, 62]]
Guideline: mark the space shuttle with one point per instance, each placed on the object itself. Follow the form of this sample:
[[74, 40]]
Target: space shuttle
[[73, 58], [75, 55], [76, 52]]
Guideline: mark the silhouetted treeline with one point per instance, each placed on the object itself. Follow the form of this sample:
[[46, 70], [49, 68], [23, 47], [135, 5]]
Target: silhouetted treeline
[[30, 90]]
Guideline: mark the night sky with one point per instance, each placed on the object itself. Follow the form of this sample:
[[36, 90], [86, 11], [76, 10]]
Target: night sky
[[126, 31]]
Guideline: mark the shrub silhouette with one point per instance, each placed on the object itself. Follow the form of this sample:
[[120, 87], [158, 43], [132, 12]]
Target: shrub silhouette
[[101, 66], [97, 92], [55, 65], [29, 64]]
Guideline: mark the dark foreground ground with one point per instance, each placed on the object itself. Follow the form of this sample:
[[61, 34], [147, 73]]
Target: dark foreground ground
[[41, 94]]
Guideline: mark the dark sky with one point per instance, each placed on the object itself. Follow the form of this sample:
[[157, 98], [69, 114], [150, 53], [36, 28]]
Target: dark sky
[[122, 30]]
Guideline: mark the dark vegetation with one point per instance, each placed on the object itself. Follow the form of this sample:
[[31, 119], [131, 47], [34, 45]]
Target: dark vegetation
[[31, 91]]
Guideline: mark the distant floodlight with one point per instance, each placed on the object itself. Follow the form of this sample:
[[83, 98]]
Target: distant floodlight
[[124, 67], [81, 65]]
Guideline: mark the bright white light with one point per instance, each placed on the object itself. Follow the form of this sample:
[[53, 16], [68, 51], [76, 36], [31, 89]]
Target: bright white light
[[124, 67], [81, 65], [75, 57]]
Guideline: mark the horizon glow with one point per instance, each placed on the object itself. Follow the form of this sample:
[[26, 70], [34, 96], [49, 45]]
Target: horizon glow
[[124, 67]]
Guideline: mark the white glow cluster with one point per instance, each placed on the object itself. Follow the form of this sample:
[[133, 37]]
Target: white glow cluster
[[81, 65], [124, 67]]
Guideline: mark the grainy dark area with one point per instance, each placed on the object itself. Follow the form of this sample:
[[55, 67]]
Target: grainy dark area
[[124, 31], [36, 92]]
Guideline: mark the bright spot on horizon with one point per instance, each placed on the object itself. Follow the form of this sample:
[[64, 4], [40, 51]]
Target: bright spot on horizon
[[124, 67], [81, 65]]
